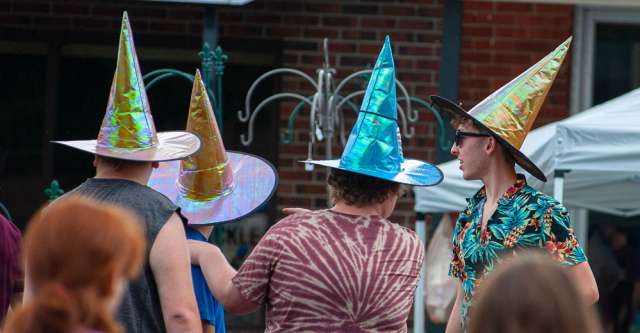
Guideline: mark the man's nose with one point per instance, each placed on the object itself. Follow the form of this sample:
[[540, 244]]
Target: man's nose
[[454, 150]]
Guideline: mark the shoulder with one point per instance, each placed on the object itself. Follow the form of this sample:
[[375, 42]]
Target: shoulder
[[543, 200], [405, 234]]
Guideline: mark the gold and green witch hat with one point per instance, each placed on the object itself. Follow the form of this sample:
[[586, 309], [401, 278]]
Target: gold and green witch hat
[[214, 185], [127, 131], [509, 113]]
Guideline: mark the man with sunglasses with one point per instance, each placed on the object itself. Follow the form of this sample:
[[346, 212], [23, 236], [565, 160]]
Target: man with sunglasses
[[507, 216]]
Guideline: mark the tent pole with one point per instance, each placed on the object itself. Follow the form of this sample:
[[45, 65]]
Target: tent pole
[[418, 301], [579, 216], [558, 184]]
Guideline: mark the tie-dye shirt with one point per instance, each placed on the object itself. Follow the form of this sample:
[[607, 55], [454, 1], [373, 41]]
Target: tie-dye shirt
[[324, 271], [524, 219]]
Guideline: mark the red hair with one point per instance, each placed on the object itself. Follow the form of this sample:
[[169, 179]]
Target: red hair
[[74, 249]]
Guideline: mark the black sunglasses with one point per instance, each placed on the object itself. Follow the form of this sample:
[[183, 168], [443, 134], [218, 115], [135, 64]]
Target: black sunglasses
[[461, 134]]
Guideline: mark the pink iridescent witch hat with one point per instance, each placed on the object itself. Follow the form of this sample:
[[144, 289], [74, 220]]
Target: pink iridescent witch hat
[[509, 113], [214, 186], [127, 130]]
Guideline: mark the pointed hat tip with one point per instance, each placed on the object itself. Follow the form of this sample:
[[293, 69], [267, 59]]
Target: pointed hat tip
[[197, 76], [568, 41]]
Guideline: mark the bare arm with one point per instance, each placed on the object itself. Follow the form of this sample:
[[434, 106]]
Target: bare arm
[[585, 281], [219, 275], [454, 325], [294, 210], [169, 259]]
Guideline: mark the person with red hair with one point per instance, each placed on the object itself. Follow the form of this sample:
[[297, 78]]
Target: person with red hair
[[79, 255]]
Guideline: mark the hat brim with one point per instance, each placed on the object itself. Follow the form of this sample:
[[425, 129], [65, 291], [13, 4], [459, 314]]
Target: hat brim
[[414, 172], [520, 158], [255, 181], [174, 145]]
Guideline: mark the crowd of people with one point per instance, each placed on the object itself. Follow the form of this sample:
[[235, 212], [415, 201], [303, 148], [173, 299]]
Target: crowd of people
[[127, 250]]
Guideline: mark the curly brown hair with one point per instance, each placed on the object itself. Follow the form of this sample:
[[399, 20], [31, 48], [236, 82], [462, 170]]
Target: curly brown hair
[[357, 189]]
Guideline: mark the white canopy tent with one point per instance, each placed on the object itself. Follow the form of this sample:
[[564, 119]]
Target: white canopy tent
[[600, 149]]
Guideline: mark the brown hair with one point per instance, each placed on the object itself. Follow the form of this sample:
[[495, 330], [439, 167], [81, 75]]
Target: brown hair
[[531, 294], [73, 250], [359, 190]]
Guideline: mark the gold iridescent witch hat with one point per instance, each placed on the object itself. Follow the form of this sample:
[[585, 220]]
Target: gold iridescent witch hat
[[127, 131], [214, 185], [509, 113]]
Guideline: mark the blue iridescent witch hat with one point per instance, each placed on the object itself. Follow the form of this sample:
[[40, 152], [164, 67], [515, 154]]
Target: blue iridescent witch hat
[[374, 147]]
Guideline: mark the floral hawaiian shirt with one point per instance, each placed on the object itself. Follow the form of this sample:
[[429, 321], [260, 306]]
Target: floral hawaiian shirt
[[524, 218]]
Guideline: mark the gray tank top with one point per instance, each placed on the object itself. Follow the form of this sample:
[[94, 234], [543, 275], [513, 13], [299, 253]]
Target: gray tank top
[[140, 310]]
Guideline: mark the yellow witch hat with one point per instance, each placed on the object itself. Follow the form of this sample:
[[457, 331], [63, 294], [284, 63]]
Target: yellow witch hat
[[214, 185], [509, 113], [127, 131]]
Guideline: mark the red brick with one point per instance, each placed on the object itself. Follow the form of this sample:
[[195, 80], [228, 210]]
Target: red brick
[[320, 33], [428, 37], [478, 5], [477, 31], [311, 189], [295, 201], [415, 51], [242, 30], [305, 20], [475, 56], [282, 31], [358, 34], [301, 45], [342, 47], [322, 7], [550, 9], [264, 18], [355, 61], [420, 24], [400, 36], [519, 8], [339, 21], [377, 22], [284, 6], [396, 10], [430, 12], [366, 9]]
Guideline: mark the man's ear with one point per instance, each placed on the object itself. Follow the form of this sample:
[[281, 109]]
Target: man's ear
[[491, 145], [95, 161], [155, 165]]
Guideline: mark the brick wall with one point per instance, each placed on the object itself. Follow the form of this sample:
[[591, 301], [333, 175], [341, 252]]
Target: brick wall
[[356, 30], [500, 40]]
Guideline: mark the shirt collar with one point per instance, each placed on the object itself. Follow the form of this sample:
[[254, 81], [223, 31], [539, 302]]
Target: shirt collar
[[520, 183]]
